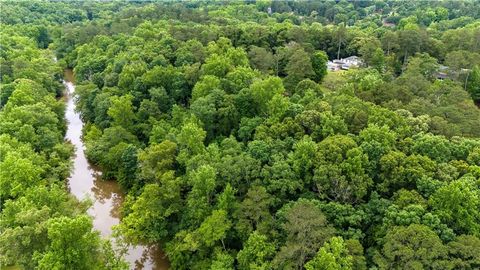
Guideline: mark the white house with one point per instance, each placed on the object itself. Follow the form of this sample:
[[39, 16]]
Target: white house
[[344, 63]]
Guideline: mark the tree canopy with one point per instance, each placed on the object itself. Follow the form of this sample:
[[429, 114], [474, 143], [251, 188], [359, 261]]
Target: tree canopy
[[237, 146]]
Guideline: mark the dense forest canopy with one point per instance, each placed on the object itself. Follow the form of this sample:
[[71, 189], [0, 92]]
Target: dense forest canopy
[[237, 147]]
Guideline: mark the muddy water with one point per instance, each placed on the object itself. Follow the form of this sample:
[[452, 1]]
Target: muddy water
[[106, 195]]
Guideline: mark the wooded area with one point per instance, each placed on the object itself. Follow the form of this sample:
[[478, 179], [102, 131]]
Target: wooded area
[[237, 147]]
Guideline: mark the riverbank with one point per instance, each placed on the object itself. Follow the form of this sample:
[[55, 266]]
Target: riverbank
[[85, 182]]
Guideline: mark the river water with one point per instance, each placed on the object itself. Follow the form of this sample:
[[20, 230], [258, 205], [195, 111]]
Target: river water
[[85, 181]]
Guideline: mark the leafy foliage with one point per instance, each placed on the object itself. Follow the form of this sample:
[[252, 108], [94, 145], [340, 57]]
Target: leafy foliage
[[236, 145]]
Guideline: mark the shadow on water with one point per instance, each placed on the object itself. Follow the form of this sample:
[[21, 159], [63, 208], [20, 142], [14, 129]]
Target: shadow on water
[[85, 182]]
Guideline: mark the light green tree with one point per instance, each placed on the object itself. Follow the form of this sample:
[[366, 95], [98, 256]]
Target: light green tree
[[333, 255], [256, 253]]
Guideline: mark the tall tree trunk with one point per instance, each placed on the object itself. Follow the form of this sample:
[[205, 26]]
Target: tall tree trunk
[[339, 45], [466, 79]]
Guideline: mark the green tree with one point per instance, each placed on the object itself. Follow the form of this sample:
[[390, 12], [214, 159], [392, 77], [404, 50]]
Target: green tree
[[457, 205], [355, 249], [151, 212], [319, 65], [190, 140], [473, 84], [25, 222], [307, 229], [423, 64], [333, 255], [73, 244], [238, 79], [214, 228], [409, 41], [263, 91], [253, 212], [261, 59], [205, 86], [128, 75], [256, 253], [299, 67], [128, 166], [303, 158], [217, 65], [340, 35], [200, 198], [156, 160], [464, 252], [400, 171], [17, 174], [414, 247], [390, 41], [308, 87], [121, 111], [371, 52], [222, 261], [341, 171]]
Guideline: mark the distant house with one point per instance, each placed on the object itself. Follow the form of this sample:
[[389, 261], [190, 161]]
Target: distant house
[[387, 23], [352, 61], [344, 63], [334, 65], [442, 75], [442, 72]]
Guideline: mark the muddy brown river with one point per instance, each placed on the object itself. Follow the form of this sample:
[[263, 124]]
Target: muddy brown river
[[85, 182]]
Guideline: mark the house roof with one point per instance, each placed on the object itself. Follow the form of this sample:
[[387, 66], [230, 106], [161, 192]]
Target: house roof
[[353, 58]]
